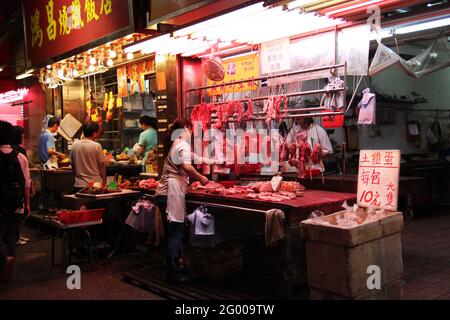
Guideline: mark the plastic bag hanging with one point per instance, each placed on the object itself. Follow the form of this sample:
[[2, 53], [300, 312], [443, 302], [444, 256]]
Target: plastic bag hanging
[[383, 59], [435, 57]]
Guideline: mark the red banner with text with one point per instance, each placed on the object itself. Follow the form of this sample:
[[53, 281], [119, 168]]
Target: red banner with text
[[56, 27]]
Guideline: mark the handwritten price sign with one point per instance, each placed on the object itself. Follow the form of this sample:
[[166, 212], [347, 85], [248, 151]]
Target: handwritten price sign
[[378, 178]]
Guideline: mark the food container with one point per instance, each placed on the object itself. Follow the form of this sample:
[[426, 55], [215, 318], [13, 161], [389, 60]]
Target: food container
[[73, 217]]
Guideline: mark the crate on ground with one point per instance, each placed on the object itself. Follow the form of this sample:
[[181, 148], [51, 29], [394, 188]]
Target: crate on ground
[[80, 216], [338, 259], [214, 263]]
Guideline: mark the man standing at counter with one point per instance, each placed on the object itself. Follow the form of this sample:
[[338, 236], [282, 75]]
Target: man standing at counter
[[148, 138], [171, 192], [47, 149], [88, 160]]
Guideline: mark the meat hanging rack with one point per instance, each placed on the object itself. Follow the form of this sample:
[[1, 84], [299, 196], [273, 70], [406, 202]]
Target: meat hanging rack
[[289, 113]]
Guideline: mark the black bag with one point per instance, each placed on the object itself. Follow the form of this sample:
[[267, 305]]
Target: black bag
[[12, 183]]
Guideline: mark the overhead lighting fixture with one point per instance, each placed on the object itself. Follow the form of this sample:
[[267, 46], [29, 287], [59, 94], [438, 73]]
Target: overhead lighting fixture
[[12, 96], [92, 60], [429, 5], [75, 73], [60, 73], [152, 43], [130, 56], [299, 3], [109, 63], [24, 75], [112, 53], [402, 11], [228, 51], [423, 26], [355, 6], [1, 68]]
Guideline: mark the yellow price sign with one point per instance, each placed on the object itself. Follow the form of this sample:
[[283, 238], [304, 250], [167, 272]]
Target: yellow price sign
[[237, 69]]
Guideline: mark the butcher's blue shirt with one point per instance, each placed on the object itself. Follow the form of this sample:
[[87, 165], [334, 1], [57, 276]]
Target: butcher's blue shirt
[[46, 141]]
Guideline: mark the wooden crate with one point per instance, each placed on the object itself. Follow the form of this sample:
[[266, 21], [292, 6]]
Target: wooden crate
[[337, 258], [217, 264]]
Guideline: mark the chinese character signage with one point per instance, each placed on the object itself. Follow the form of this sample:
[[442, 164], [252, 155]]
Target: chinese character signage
[[378, 178], [58, 27], [236, 69], [275, 56]]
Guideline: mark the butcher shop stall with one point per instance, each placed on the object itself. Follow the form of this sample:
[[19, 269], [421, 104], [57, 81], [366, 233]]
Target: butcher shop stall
[[318, 149]]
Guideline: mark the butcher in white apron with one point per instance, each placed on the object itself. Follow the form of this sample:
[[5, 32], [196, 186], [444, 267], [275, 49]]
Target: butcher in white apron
[[170, 196]]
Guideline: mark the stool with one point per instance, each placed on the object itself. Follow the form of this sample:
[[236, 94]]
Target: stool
[[67, 230]]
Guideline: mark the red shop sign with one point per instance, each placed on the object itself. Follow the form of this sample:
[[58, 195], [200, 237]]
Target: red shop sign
[[56, 29]]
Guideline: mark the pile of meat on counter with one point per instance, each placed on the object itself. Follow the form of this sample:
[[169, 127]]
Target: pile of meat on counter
[[147, 184], [98, 189], [288, 190]]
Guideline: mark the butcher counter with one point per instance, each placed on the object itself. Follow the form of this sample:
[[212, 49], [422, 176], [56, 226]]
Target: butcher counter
[[242, 220]]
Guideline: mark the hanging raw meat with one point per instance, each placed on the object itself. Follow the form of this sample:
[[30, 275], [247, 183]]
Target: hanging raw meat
[[268, 109], [317, 154], [250, 109], [202, 113], [240, 111]]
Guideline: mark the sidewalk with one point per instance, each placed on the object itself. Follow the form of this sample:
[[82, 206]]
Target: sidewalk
[[426, 258]]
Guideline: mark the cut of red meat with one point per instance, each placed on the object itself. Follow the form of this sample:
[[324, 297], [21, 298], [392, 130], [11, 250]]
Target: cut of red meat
[[316, 156], [266, 187], [202, 113], [250, 109]]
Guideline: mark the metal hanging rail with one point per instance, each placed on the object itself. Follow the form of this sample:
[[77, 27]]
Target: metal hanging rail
[[269, 77], [289, 95], [292, 116]]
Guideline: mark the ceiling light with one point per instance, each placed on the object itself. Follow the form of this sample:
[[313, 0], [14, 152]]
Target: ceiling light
[[92, 60], [299, 3], [75, 73], [355, 6], [429, 5], [60, 73], [23, 76], [109, 63], [1, 68], [423, 26], [130, 56], [49, 67], [91, 68], [151, 44], [112, 53]]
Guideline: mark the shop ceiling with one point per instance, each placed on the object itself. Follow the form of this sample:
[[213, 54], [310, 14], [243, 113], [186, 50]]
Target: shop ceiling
[[237, 30]]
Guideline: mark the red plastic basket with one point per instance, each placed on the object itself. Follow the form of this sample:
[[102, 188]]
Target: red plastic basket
[[72, 217], [335, 121]]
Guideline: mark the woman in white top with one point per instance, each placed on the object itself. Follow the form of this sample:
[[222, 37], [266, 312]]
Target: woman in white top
[[171, 192]]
